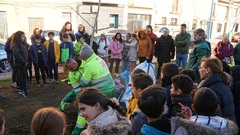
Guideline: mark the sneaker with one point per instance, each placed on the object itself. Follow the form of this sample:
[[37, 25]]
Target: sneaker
[[25, 94], [57, 81], [18, 88], [38, 84], [21, 92], [14, 84], [2, 96], [45, 83], [51, 80]]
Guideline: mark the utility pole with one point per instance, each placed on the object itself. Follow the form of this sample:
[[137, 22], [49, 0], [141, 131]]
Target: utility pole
[[210, 22]]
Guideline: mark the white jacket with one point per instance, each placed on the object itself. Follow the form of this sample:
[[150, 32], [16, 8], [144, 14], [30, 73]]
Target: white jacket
[[132, 53], [101, 51]]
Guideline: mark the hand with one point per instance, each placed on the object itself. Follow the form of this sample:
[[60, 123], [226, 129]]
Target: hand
[[147, 57], [186, 111], [114, 100]]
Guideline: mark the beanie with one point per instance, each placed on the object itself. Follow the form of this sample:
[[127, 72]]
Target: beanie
[[86, 51]]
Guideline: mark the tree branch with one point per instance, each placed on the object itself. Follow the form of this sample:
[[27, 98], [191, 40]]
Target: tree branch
[[79, 15]]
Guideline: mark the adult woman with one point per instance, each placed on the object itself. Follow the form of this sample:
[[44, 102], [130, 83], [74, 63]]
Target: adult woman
[[67, 28], [213, 77], [224, 50], [144, 46], [8, 49], [103, 116], [116, 47], [36, 31], [20, 60], [48, 121], [103, 46], [82, 31]]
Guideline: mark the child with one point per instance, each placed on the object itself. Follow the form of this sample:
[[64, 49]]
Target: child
[[48, 121], [102, 47], [103, 116], [67, 51], [139, 83], [39, 57], [53, 51], [191, 73], [132, 53], [168, 70], [2, 122], [116, 47], [125, 53], [78, 45], [182, 86], [205, 104], [152, 104]]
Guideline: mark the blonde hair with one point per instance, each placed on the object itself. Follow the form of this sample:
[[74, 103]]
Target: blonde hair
[[48, 121], [216, 67]]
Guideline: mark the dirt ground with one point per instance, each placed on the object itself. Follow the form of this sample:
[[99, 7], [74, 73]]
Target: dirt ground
[[19, 110]]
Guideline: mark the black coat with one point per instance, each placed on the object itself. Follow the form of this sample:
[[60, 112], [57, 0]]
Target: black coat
[[165, 49], [20, 55], [215, 82]]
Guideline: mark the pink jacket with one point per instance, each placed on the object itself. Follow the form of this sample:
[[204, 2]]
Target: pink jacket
[[221, 50], [116, 50]]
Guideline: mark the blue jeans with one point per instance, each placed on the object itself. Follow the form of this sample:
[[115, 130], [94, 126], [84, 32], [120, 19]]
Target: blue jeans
[[181, 58], [125, 65]]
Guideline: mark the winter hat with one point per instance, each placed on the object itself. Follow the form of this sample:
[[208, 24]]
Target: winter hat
[[86, 51], [104, 34]]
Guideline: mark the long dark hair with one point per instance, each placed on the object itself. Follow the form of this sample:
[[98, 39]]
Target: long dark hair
[[18, 39], [64, 27], [115, 37], [91, 96]]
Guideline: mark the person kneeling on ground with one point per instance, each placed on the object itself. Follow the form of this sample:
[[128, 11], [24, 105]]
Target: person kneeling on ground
[[205, 122]]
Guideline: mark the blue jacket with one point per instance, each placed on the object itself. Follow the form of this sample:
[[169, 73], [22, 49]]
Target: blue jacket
[[148, 130], [34, 55]]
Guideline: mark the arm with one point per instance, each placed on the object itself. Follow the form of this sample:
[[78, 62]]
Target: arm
[[185, 41], [217, 51], [120, 49], [231, 52], [72, 36], [86, 76], [46, 54], [133, 44], [77, 48], [71, 49], [7, 47], [137, 124], [176, 41], [157, 47], [31, 53], [58, 51], [149, 48], [60, 35], [172, 50], [200, 53], [112, 48]]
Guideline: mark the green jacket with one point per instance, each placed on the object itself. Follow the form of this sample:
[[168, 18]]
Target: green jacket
[[201, 49], [236, 54], [74, 76], [97, 75], [77, 47], [182, 43]]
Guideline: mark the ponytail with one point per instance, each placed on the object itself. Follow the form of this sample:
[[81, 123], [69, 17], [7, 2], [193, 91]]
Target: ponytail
[[226, 78], [117, 107]]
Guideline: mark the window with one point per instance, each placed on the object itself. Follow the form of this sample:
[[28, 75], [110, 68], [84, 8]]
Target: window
[[138, 21], [66, 17], [164, 20], [234, 12], [194, 25], [173, 21], [219, 27], [35, 22], [113, 20], [175, 6], [3, 25]]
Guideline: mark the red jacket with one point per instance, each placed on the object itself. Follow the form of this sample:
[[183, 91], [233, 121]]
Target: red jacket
[[223, 50], [153, 38]]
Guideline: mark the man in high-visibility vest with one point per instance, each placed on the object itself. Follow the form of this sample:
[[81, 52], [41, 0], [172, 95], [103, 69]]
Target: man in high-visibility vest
[[96, 75]]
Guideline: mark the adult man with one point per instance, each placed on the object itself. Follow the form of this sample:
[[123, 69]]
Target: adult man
[[201, 49], [182, 45], [153, 37], [96, 75], [53, 50], [164, 50]]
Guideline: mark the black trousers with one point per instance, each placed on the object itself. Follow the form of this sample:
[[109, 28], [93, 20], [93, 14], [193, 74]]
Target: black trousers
[[22, 78], [40, 67]]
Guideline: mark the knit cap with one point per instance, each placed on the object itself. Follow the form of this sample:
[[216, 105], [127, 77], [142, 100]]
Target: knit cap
[[86, 51]]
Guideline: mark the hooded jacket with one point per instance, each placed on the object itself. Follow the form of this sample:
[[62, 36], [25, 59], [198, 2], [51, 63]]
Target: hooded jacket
[[109, 122], [56, 49], [116, 49], [20, 57], [203, 125], [144, 44]]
